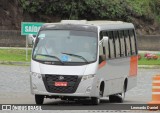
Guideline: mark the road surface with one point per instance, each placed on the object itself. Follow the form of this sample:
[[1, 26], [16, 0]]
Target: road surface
[[15, 89]]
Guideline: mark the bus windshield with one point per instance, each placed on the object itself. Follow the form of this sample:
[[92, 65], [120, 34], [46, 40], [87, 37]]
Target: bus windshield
[[66, 46]]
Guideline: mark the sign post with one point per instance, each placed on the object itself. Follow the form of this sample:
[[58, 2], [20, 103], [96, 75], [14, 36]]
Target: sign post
[[29, 28]]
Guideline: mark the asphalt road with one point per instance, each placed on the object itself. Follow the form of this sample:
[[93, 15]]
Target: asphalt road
[[15, 89]]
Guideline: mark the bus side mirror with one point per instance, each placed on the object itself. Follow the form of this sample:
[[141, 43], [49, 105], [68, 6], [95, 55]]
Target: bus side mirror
[[31, 39], [105, 40]]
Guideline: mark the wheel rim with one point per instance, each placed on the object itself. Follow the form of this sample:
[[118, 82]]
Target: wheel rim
[[98, 100], [123, 94], [100, 95]]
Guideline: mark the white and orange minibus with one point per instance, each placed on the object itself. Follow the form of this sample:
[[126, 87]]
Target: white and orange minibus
[[77, 59]]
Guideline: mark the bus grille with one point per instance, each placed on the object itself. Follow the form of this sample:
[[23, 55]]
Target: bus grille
[[72, 80]]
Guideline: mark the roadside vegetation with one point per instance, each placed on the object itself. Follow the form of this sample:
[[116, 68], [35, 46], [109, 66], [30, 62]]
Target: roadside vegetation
[[14, 55], [19, 55], [93, 9], [144, 14], [149, 59]]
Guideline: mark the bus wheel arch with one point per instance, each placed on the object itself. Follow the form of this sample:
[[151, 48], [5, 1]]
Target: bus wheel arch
[[96, 100], [121, 96], [125, 84], [102, 85]]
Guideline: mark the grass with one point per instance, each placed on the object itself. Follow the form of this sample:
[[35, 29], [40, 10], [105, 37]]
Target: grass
[[144, 61], [19, 55], [16, 55]]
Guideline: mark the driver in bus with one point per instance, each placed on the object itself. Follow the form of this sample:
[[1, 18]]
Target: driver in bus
[[87, 49], [49, 48]]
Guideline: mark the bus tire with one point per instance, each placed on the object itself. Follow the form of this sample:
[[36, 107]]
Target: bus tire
[[96, 100], [39, 99], [112, 98], [122, 95], [117, 98]]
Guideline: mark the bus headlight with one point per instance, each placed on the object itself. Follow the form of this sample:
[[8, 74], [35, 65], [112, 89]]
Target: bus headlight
[[85, 77], [36, 75]]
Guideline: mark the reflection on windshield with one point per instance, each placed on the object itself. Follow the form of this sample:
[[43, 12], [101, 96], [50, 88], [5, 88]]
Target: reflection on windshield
[[41, 57], [66, 45], [76, 56]]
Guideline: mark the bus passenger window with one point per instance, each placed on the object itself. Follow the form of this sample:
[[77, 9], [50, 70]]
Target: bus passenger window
[[106, 47], [122, 43], [102, 56], [117, 45], [111, 43], [101, 36], [133, 44], [127, 43]]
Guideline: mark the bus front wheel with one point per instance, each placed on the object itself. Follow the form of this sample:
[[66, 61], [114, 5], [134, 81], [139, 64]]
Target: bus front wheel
[[96, 100], [39, 99]]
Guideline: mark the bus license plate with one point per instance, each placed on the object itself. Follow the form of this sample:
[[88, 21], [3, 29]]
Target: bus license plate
[[60, 83]]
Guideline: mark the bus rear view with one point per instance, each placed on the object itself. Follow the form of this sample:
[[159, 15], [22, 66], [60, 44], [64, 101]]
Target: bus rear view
[[65, 63]]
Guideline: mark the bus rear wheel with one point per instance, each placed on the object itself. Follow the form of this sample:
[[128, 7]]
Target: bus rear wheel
[[95, 100], [118, 97], [39, 99]]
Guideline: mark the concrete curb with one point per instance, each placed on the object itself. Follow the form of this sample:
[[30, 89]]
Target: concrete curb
[[153, 52], [149, 66]]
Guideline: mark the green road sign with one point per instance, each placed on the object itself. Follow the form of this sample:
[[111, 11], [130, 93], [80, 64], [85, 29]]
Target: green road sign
[[30, 28]]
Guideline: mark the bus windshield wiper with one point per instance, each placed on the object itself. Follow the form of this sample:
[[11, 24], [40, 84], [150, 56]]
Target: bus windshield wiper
[[76, 56], [51, 57]]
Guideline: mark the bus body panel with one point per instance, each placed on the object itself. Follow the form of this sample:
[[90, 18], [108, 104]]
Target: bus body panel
[[132, 78], [113, 72], [38, 82], [132, 82]]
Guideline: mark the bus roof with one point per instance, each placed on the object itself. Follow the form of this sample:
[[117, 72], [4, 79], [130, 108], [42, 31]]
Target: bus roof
[[102, 25]]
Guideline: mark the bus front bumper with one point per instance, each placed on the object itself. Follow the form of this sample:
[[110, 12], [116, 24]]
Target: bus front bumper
[[62, 94], [84, 89]]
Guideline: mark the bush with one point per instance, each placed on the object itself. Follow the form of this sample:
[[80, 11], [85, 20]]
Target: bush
[[71, 9], [93, 9]]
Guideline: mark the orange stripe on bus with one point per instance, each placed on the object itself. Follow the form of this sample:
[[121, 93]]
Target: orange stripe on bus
[[102, 64], [155, 90], [156, 77], [155, 84], [133, 66]]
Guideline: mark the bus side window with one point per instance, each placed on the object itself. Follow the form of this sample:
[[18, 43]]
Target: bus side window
[[101, 54], [102, 51], [122, 43], [111, 43], [117, 44], [106, 47], [133, 44], [128, 49], [101, 36]]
